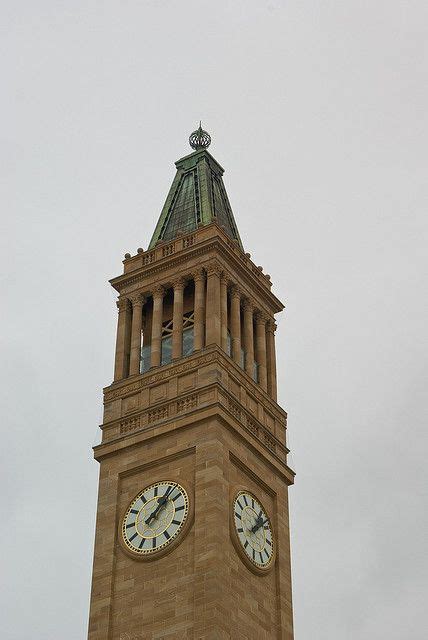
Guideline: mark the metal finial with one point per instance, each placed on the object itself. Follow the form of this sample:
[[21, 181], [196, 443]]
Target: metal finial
[[200, 139]]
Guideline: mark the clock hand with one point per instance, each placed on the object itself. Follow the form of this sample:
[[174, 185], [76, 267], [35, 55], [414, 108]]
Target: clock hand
[[161, 502], [259, 523], [152, 516], [256, 523]]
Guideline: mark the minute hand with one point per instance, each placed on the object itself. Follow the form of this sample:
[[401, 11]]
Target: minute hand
[[161, 502]]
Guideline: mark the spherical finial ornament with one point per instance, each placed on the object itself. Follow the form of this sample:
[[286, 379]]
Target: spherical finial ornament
[[200, 139]]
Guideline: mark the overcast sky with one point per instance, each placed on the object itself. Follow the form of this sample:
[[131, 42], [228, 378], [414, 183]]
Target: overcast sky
[[318, 113]]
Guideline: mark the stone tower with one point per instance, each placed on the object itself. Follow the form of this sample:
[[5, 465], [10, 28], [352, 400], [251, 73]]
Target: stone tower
[[192, 530]]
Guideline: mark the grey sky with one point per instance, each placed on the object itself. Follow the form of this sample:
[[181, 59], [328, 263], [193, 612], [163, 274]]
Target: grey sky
[[318, 112]]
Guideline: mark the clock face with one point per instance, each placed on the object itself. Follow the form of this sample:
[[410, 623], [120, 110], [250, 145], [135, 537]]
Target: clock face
[[253, 530], [155, 518]]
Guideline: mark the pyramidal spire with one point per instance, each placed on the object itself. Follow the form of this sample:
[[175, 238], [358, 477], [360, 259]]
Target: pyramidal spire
[[197, 195]]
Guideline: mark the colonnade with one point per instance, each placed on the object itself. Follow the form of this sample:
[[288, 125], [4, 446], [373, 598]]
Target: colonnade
[[212, 286]]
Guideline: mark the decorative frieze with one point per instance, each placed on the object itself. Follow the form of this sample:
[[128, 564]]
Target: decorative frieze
[[157, 414], [131, 424], [252, 426], [235, 409], [187, 403], [269, 440]]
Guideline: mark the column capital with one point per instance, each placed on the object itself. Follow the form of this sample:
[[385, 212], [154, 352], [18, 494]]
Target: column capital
[[271, 325], [198, 274], [235, 291], [261, 318], [179, 283], [158, 291], [137, 300], [247, 304], [225, 278], [213, 268], [122, 303]]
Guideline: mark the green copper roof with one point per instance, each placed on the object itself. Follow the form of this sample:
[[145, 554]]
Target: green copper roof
[[197, 196]]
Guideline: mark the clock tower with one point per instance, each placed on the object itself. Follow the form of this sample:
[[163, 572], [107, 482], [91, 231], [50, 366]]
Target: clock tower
[[192, 530]]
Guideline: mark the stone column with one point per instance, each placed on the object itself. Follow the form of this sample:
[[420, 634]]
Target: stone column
[[156, 346], [177, 319], [271, 358], [213, 319], [122, 339], [223, 310], [249, 338], [235, 323], [261, 349], [199, 309], [137, 324]]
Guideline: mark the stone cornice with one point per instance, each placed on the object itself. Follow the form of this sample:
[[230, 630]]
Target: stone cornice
[[222, 405], [208, 355], [232, 261]]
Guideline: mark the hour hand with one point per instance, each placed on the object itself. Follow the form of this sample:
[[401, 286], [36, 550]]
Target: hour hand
[[161, 501], [259, 523]]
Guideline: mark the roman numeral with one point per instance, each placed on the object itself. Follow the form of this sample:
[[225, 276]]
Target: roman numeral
[[175, 497], [269, 542], [180, 508], [240, 530], [176, 522], [155, 492], [143, 499], [153, 543], [132, 537], [142, 543], [134, 511], [252, 502], [245, 544], [254, 554], [240, 505], [245, 500], [237, 515], [261, 557], [166, 534], [128, 526]]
